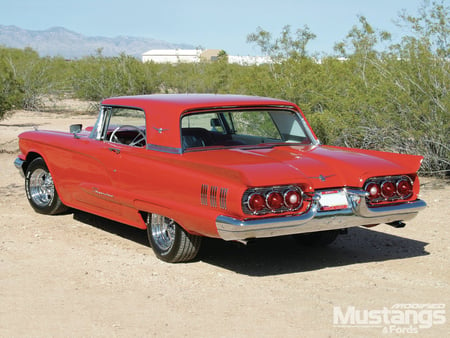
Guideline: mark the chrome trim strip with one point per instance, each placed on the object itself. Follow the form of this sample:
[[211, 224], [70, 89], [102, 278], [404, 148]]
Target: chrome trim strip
[[18, 163], [358, 214], [164, 149]]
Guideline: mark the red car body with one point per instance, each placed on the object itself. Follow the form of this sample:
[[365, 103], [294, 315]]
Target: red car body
[[232, 185]]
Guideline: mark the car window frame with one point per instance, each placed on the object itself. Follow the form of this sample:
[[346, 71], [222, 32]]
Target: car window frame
[[225, 122], [100, 129]]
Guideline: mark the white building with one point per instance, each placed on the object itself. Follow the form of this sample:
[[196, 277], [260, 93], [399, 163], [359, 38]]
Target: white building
[[197, 55], [172, 55]]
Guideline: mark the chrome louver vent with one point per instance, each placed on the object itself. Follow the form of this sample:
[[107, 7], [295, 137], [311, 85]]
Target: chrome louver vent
[[213, 196], [223, 198], [204, 195], [217, 197]]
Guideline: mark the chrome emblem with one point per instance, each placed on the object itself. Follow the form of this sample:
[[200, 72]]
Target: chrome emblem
[[160, 130], [323, 178]]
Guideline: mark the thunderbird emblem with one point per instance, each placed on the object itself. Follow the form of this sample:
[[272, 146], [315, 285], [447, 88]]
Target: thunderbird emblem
[[323, 178], [160, 130]]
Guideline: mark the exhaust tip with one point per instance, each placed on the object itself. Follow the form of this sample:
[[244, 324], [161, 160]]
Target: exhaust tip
[[397, 224]]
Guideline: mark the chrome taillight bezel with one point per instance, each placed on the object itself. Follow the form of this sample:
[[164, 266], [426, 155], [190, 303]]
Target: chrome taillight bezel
[[382, 184], [268, 193]]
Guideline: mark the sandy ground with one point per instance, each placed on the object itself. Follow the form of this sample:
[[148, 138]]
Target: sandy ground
[[80, 275]]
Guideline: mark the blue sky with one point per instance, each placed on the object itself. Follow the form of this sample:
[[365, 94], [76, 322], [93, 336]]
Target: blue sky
[[222, 24]]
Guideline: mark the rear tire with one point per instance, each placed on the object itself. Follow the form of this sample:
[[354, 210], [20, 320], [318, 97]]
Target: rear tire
[[40, 189], [170, 242], [320, 238]]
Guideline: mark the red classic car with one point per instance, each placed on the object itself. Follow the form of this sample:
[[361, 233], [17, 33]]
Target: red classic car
[[185, 166]]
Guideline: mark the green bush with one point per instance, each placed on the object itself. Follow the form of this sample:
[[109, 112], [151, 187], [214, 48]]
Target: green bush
[[11, 93]]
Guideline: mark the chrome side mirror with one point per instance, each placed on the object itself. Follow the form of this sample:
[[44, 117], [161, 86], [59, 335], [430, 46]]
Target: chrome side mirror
[[76, 128]]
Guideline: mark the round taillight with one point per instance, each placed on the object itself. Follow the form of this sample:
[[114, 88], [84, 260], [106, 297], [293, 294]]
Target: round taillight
[[274, 200], [404, 188], [388, 189], [256, 202], [292, 199], [374, 191]]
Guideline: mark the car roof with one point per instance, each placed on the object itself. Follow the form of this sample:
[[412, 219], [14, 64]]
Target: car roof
[[191, 101], [163, 111]]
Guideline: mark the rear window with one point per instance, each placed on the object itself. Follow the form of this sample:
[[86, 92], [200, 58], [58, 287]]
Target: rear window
[[243, 128]]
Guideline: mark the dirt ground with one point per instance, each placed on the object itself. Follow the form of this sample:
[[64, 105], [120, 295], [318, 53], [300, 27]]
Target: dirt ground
[[80, 275]]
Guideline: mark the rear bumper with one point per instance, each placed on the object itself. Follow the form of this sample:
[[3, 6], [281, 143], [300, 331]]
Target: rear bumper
[[357, 214]]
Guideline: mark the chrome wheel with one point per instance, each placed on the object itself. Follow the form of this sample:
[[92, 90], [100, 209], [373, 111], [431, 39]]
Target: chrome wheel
[[41, 187], [163, 231], [41, 190], [170, 242]]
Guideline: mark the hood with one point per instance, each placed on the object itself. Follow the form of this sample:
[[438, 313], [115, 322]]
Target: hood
[[319, 166]]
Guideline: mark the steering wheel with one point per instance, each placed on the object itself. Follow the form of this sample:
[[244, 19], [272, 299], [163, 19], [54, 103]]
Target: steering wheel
[[138, 139]]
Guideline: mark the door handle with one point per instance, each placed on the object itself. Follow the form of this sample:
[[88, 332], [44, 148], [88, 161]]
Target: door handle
[[115, 150]]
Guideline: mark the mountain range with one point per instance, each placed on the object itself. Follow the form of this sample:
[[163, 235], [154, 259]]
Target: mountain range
[[59, 41]]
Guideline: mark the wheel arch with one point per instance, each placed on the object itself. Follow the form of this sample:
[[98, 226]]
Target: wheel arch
[[29, 158], [189, 218], [43, 196], [147, 216], [147, 208]]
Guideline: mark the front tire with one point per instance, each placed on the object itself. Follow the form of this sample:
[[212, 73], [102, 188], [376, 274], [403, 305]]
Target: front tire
[[40, 189], [170, 242]]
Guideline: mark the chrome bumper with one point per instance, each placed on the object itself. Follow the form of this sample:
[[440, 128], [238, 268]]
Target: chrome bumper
[[18, 163], [357, 214]]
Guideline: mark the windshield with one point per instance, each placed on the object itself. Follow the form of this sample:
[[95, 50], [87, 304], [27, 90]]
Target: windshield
[[236, 128]]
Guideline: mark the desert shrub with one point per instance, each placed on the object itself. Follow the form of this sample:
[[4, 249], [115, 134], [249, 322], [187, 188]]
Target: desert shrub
[[25, 78], [98, 77], [11, 93]]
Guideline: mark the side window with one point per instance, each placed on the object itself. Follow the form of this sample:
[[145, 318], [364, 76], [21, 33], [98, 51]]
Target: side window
[[126, 126], [197, 130], [208, 121]]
